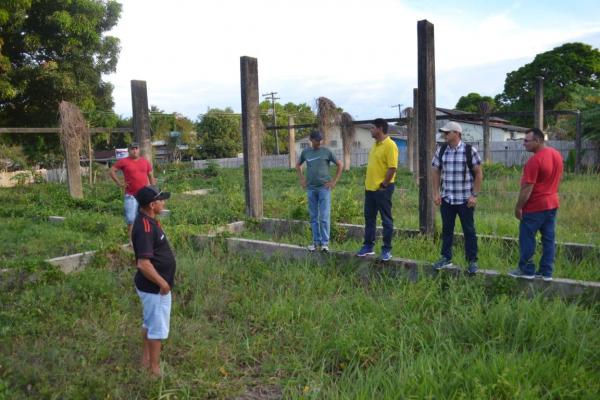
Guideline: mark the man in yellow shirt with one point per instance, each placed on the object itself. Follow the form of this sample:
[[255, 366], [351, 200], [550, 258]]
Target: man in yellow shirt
[[379, 187]]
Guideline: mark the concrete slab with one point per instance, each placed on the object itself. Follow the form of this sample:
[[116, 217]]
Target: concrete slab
[[575, 251], [76, 262], [409, 269], [56, 219], [198, 192]]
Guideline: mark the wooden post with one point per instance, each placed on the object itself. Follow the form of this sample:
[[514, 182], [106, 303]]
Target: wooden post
[[141, 118], [538, 114], [426, 121], [415, 147], [291, 142], [251, 135], [90, 157], [410, 138], [72, 163], [578, 131], [484, 110]]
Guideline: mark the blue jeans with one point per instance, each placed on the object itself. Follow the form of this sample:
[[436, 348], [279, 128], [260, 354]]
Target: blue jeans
[[467, 221], [131, 209], [379, 201], [319, 209], [545, 222]]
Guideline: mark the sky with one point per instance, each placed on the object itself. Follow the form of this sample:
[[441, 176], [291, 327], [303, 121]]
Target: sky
[[362, 54]]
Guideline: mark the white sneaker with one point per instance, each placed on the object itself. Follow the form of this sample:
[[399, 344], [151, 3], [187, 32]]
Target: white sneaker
[[325, 248], [312, 247]]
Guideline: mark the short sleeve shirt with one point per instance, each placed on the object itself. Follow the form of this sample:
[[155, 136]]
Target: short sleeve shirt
[[135, 172], [150, 242], [544, 171], [457, 181], [317, 166], [383, 156]]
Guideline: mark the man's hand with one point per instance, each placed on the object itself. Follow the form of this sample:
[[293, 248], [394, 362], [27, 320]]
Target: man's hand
[[165, 289], [518, 213], [330, 185], [437, 199], [472, 201], [303, 184]]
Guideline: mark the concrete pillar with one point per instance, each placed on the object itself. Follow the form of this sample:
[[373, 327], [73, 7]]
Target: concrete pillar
[[484, 110], [291, 142], [251, 136], [538, 115], [141, 118], [426, 121]]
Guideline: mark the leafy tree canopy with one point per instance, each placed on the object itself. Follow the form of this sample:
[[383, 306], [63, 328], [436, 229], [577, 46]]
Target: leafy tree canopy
[[470, 102], [302, 114], [219, 133], [53, 50], [562, 68]]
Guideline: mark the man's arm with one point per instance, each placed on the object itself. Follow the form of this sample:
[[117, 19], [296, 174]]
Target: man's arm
[[388, 177], [524, 195], [149, 272], [151, 178], [472, 201], [113, 175], [435, 174], [338, 173], [301, 175]]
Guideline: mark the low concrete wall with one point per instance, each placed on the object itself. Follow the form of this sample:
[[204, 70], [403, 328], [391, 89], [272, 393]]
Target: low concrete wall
[[575, 251], [408, 269], [76, 262]]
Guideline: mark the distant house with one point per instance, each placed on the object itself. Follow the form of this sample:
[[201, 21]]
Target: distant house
[[500, 129], [362, 139]]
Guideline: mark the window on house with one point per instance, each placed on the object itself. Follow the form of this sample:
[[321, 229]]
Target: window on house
[[304, 145], [356, 145], [333, 143]]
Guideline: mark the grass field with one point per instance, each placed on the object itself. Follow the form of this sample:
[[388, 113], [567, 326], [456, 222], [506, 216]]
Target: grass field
[[294, 330], [281, 329]]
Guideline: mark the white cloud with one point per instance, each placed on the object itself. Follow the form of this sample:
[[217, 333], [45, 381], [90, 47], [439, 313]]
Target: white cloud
[[363, 52]]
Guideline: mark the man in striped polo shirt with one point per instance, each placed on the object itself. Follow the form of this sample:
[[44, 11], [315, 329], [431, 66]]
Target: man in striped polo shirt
[[458, 166]]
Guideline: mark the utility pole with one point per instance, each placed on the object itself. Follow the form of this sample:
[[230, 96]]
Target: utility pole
[[399, 106], [273, 98]]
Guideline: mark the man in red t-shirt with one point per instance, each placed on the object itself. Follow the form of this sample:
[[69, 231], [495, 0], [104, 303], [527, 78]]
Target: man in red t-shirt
[[537, 206], [137, 173]]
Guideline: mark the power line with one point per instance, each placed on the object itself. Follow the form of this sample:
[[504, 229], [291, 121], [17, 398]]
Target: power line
[[273, 98]]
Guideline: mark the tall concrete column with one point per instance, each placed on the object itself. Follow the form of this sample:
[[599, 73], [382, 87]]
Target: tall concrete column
[[410, 138], [141, 118], [426, 121], [484, 110], [251, 136], [538, 115], [415, 147], [291, 142]]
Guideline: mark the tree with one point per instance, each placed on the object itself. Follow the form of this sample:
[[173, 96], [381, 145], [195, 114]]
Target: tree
[[586, 100], [219, 133], [562, 68], [54, 50], [302, 114], [470, 103]]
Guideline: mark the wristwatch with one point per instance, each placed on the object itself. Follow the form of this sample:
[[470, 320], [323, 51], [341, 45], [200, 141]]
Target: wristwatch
[[474, 194]]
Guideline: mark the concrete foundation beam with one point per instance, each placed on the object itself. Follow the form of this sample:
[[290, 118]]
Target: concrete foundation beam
[[575, 251], [411, 270]]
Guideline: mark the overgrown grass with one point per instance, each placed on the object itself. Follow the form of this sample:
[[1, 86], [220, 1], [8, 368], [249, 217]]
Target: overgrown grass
[[294, 330]]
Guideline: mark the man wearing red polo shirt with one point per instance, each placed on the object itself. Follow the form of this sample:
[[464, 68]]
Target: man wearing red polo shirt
[[137, 173], [537, 206]]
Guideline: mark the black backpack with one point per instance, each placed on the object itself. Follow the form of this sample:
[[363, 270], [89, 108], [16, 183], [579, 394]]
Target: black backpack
[[469, 154]]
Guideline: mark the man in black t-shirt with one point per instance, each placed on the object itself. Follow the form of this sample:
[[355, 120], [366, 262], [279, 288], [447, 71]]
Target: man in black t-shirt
[[155, 274]]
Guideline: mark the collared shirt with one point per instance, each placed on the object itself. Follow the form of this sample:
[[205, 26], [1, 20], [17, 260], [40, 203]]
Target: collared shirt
[[457, 181], [150, 242], [383, 156]]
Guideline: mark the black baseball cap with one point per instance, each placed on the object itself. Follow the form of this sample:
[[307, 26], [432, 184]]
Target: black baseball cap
[[134, 145], [148, 194], [316, 135]]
